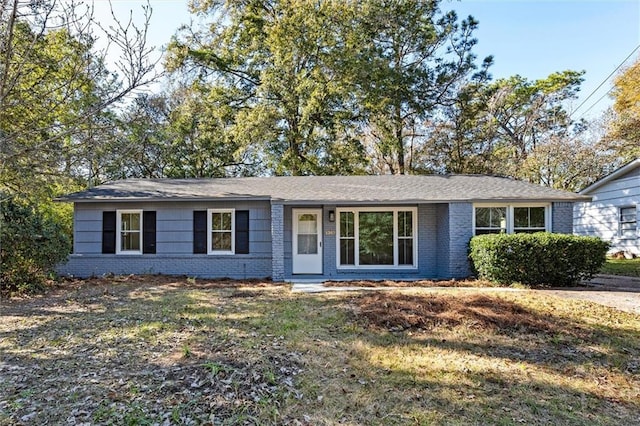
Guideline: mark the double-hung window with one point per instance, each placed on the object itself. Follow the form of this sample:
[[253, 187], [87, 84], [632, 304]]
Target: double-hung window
[[627, 221], [377, 237], [129, 234], [512, 218], [221, 231]]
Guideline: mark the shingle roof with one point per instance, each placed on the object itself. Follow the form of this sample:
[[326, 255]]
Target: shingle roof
[[326, 189]]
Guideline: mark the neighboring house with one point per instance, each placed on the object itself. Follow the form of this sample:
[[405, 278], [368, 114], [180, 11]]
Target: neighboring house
[[614, 210], [315, 227]]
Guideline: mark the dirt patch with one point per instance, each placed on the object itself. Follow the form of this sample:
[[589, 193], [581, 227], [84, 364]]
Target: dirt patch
[[397, 312]]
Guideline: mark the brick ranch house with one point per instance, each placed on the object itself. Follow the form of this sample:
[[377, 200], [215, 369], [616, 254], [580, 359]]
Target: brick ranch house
[[303, 228]]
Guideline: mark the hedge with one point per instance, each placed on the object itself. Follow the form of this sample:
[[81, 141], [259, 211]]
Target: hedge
[[541, 258]]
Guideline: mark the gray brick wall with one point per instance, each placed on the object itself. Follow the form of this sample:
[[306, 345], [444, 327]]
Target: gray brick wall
[[442, 237], [277, 242], [460, 232], [562, 218], [200, 265]]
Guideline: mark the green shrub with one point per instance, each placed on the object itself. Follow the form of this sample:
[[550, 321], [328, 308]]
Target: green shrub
[[539, 258], [31, 244]]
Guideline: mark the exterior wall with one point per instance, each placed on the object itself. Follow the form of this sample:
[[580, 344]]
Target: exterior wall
[[277, 242], [562, 218], [174, 243], [460, 232], [429, 253], [600, 216]]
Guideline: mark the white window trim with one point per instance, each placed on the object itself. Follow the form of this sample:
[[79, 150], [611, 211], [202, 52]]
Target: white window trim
[[510, 215], [356, 226], [630, 235], [119, 214], [210, 231]]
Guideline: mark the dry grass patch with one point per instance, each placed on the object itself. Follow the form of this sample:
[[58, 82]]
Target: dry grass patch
[[159, 350]]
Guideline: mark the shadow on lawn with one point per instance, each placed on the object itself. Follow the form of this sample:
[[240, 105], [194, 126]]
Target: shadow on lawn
[[153, 353]]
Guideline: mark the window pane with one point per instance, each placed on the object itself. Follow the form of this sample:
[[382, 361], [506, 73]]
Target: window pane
[[521, 217], [483, 217], [405, 251], [130, 222], [499, 217], [346, 224], [221, 241], [221, 221], [376, 238], [405, 224], [307, 244], [307, 224], [536, 217], [628, 214], [130, 241], [347, 252], [489, 231]]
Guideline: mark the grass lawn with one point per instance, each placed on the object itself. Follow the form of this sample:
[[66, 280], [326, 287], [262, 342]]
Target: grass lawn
[[626, 267], [156, 350]]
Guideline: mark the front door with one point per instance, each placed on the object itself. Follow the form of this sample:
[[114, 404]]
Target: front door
[[307, 241]]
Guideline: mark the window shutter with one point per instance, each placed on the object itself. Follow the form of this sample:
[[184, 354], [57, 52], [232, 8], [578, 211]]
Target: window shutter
[[149, 232], [108, 232], [242, 231], [200, 231]]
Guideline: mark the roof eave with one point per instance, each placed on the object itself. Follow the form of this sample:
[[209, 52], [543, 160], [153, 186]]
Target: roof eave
[[612, 176]]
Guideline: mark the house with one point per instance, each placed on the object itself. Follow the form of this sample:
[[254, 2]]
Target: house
[[306, 227], [614, 210]]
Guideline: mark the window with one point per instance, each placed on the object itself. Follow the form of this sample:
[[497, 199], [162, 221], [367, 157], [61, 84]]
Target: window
[[221, 231], [491, 220], [627, 221], [528, 219], [129, 235], [374, 237], [220, 237], [511, 218]]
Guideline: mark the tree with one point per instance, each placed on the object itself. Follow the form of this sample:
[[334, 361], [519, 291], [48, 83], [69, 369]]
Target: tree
[[277, 66], [624, 131], [55, 85], [414, 61]]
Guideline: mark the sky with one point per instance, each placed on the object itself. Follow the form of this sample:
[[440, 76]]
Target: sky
[[529, 38]]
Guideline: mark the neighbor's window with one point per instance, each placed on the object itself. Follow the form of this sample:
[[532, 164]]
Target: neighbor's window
[[528, 219], [129, 225], [627, 221], [221, 231], [377, 237], [491, 220]]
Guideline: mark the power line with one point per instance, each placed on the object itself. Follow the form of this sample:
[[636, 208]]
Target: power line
[[602, 84]]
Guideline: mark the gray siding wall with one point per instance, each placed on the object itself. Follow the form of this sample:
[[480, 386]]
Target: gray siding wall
[[174, 243], [599, 217], [562, 218]]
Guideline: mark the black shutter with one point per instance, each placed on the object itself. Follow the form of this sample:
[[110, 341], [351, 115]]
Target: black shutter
[[108, 232], [242, 231], [149, 232], [200, 231]]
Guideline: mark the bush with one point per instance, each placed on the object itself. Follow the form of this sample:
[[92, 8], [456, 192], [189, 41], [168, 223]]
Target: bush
[[540, 258], [31, 244]]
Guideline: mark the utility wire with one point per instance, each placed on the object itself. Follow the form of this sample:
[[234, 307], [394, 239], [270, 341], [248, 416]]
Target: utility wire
[[602, 84]]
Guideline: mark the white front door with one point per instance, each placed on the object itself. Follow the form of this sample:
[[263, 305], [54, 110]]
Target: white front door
[[307, 241]]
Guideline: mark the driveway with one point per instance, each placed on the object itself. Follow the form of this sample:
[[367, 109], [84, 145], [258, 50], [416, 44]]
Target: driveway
[[616, 291]]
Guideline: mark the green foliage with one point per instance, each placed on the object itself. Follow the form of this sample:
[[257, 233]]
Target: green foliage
[[538, 259], [32, 242]]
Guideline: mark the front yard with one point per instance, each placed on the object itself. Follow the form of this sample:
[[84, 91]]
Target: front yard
[[156, 350], [626, 267]]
